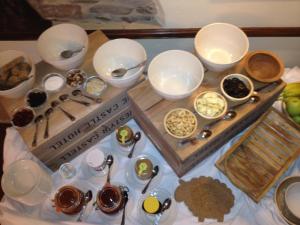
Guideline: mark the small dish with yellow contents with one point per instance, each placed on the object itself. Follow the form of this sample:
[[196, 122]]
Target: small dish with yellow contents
[[150, 205], [140, 169]]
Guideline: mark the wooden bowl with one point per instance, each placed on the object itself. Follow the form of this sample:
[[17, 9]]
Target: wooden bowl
[[264, 66]]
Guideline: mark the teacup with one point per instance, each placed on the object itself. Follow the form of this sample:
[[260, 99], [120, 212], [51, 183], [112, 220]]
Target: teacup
[[69, 200], [110, 199]]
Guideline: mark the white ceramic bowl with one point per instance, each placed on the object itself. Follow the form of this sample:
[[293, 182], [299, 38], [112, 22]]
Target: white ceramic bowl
[[245, 80], [175, 74], [59, 38], [292, 198], [21, 89], [119, 53], [220, 46]]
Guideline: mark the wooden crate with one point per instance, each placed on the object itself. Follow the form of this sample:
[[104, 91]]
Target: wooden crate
[[89, 139], [63, 132], [257, 160], [149, 110]]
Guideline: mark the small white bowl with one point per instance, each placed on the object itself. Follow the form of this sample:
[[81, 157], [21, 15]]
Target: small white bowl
[[22, 88], [119, 53], [245, 80], [59, 38], [220, 46], [175, 74], [292, 199]]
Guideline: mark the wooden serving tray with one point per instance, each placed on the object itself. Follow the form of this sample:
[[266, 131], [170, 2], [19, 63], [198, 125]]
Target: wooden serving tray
[[149, 110], [262, 155]]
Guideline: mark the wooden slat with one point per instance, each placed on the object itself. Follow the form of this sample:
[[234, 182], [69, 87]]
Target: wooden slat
[[259, 156]]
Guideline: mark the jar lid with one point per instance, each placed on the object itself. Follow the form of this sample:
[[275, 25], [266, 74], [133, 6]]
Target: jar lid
[[95, 158]]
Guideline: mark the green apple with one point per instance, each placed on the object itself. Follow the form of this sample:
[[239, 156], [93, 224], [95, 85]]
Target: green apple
[[296, 119], [293, 106]]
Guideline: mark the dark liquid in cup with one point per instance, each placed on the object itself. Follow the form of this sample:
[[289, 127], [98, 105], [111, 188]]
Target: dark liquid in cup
[[109, 198], [67, 198]]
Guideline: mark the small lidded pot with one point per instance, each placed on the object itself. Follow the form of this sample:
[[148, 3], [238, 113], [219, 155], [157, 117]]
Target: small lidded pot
[[125, 136], [110, 199], [69, 200]]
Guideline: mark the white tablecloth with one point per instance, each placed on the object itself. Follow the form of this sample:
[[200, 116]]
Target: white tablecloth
[[244, 211]]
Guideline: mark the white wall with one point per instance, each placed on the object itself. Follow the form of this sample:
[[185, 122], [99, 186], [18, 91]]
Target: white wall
[[197, 13]]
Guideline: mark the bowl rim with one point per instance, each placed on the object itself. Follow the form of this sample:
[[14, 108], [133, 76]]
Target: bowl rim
[[173, 135], [33, 90], [19, 108], [213, 117], [251, 91], [32, 71], [285, 197], [124, 78], [225, 24], [156, 58], [267, 53]]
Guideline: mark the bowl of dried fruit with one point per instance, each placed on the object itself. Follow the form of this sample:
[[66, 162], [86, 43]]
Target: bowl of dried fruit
[[17, 74], [180, 123]]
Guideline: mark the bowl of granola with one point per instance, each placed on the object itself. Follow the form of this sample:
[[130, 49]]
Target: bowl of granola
[[180, 123]]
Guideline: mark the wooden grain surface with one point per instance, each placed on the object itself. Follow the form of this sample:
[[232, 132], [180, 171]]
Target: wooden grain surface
[[149, 110], [257, 160], [58, 123]]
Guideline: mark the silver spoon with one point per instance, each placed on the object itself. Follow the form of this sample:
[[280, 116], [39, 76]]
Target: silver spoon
[[78, 92], [137, 136], [154, 173], [47, 116], [109, 162], [65, 97], [69, 53], [87, 198], [166, 205], [37, 120], [125, 203], [120, 72], [55, 104]]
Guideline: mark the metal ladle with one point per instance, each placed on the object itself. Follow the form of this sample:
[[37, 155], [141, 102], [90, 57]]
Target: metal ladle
[[65, 97], [55, 104], [66, 54], [154, 173], [37, 120], [120, 72], [47, 116], [78, 92]]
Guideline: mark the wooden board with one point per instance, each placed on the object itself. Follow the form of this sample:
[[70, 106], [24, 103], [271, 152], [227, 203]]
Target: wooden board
[[149, 110], [257, 160], [64, 132]]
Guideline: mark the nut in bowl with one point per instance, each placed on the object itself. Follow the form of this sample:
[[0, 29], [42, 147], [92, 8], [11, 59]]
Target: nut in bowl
[[237, 87], [220, 46], [117, 54], [175, 74], [210, 105], [264, 66], [180, 123]]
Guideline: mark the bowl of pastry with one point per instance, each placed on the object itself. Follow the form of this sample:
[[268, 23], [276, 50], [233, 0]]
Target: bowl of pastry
[[17, 74]]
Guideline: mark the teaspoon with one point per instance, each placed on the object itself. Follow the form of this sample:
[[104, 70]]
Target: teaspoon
[[125, 203], [120, 72], [136, 138], [47, 115], [109, 162], [65, 97], [78, 92], [87, 198], [69, 53], [166, 205], [154, 173], [55, 104], [37, 120]]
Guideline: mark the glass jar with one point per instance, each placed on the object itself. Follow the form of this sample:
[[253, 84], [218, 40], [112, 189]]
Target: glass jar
[[26, 182]]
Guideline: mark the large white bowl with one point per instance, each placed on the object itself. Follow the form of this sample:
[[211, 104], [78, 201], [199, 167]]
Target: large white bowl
[[120, 53], [220, 46], [175, 74], [22, 88], [59, 38]]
